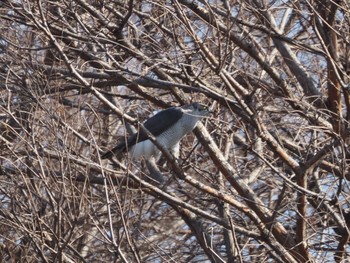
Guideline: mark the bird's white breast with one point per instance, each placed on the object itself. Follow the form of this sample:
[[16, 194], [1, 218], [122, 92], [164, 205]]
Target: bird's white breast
[[171, 137], [145, 148]]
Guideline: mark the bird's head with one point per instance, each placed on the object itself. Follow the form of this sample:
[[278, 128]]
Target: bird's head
[[196, 109]]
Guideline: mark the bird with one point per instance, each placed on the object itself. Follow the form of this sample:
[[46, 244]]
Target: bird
[[168, 126]]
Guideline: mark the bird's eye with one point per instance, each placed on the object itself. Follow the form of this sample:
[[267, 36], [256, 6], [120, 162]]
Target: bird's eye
[[202, 108]]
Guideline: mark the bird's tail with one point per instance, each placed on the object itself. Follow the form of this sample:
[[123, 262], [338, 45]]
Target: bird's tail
[[114, 152]]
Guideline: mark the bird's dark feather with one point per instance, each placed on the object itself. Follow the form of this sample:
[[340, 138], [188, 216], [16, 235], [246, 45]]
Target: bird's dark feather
[[156, 125]]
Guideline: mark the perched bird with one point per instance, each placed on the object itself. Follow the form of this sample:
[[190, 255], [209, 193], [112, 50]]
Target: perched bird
[[168, 126]]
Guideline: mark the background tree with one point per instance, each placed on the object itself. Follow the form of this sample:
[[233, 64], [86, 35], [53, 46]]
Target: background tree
[[264, 179]]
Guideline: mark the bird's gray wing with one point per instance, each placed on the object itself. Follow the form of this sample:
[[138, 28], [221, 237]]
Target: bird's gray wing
[[156, 125]]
